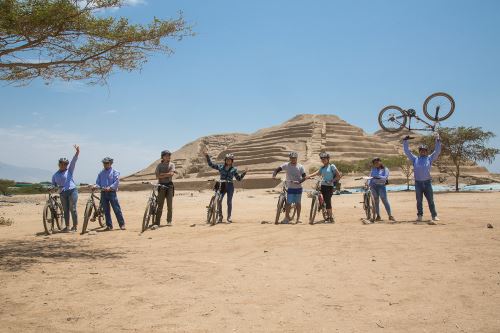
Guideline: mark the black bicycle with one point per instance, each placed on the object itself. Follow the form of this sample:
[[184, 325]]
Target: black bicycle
[[93, 210], [437, 107], [214, 208], [151, 206], [368, 201], [282, 200], [317, 204], [53, 213]]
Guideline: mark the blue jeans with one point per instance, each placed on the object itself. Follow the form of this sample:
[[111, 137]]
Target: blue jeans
[[425, 188], [107, 199], [229, 189], [379, 192], [69, 199]]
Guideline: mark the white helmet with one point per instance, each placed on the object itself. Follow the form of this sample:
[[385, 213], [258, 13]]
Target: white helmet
[[293, 154]]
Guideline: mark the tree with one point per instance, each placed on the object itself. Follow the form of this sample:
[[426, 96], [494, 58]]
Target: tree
[[406, 167], [5, 184], [65, 39], [462, 146]]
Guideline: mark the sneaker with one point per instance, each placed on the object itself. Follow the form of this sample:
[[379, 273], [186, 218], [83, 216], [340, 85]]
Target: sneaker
[[378, 218], [435, 219], [391, 218], [66, 229], [73, 229], [229, 220], [332, 219], [108, 228], [419, 218], [122, 227]]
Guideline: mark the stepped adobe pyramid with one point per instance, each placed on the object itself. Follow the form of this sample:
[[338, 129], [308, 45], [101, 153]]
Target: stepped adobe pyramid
[[264, 150]]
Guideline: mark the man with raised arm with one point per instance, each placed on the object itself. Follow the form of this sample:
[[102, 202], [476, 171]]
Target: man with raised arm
[[164, 173], [63, 179], [295, 175], [422, 165], [109, 180]]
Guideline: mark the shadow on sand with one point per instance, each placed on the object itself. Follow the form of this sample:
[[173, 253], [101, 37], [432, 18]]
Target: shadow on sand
[[16, 255]]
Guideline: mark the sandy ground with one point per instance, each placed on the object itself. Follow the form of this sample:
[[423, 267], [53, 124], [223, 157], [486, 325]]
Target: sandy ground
[[253, 277]]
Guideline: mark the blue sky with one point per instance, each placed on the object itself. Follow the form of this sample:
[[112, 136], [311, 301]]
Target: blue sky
[[258, 63]]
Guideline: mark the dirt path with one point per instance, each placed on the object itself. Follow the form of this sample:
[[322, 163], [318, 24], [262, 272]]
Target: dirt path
[[253, 277]]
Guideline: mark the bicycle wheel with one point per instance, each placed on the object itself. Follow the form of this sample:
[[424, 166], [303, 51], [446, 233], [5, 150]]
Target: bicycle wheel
[[89, 208], [279, 208], [366, 206], [392, 119], [99, 215], [373, 209], [439, 106], [213, 214], [314, 209], [148, 215], [59, 216], [210, 210], [48, 219]]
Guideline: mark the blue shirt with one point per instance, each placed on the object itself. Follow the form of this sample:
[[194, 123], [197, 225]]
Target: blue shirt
[[328, 173], [225, 174], [422, 165], [64, 179], [380, 176], [108, 178]]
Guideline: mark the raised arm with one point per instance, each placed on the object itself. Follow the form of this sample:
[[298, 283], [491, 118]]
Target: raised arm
[[437, 150], [72, 164], [408, 153], [212, 164]]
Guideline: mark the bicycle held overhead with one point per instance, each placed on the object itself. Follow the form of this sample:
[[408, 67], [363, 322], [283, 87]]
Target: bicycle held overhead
[[436, 108]]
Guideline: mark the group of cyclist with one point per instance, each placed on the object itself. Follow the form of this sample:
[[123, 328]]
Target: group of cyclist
[[108, 182]]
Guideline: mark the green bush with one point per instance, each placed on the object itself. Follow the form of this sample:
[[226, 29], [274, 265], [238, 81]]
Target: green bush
[[5, 184]]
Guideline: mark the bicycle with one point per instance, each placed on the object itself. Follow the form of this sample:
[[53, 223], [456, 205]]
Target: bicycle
[[214, 208], [93, 210], [152, 205], [393, 119], [53, 213], [368, 201], [318, 203], [282, 199]]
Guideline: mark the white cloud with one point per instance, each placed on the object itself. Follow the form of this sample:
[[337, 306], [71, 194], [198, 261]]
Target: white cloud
[[111, 111], [41, 148]]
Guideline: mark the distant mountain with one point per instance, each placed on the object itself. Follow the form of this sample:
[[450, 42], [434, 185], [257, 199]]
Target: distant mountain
[[24, 174]]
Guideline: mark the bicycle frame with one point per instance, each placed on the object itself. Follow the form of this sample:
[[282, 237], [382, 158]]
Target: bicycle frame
[[411, 114]]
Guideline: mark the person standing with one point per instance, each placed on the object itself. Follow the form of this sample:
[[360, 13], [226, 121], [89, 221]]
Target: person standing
[[63, 179], [422, 165], [164, 173], [227, 172], [329, 177], [295, 175], [378, 183], [109, 180]]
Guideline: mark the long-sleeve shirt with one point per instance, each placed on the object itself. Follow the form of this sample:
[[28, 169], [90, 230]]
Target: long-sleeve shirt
[[108, 178], [226, 174], [380, 176], [422, 164], [64, 179]]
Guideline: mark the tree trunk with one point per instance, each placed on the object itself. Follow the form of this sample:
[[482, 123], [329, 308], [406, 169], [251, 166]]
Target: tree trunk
[[457, 176]]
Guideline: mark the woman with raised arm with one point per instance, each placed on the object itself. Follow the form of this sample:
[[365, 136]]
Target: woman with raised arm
[[227, 173], [330, 175], [63, 179], [380, 178]]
